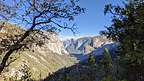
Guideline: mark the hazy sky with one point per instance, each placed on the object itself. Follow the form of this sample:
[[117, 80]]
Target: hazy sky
[[93, 20]]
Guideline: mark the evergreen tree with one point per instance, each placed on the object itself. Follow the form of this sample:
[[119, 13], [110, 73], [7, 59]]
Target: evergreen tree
[[128, 29], [107, 78], [106, 63], [91, 61]]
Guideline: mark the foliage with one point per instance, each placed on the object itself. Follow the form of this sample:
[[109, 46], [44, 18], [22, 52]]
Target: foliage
[[128, 29], [106, 66], [87, 71], [73, 73], [23, 74], [26, 73], [91, 61], [106, 60], [107, 78]]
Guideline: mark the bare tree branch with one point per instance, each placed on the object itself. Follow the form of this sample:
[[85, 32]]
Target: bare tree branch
[[37, 15]]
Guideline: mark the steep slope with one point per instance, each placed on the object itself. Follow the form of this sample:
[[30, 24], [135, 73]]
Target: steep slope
[[41, 60]]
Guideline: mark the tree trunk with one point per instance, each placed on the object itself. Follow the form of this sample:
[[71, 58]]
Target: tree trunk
[[3, 63], [7, 55]]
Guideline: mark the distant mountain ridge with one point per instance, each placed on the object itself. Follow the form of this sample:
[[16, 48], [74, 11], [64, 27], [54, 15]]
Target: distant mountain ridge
[[83, 46]]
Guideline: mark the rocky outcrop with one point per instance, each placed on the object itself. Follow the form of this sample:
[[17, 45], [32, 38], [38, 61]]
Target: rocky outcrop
[[55, 45]]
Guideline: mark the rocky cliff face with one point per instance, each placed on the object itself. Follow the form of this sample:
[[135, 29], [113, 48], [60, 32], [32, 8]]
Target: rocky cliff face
[[55, 45], [85, 45], [41, 60], [81, 47]]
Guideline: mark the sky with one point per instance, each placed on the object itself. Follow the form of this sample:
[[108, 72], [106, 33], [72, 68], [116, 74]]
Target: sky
[[93, 20]]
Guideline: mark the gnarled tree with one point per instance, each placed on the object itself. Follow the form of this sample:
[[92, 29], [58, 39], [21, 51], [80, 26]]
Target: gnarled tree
[[37, 16]]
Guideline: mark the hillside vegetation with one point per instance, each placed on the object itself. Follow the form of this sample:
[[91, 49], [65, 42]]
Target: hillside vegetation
[[40, 60]]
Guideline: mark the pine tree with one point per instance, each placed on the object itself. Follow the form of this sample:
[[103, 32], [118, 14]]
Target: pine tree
[[106, 61], [106, 66], [91, 61], [107, 78], [128, 29]]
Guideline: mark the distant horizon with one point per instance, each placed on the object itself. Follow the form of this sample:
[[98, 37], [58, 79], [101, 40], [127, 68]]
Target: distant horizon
[[76, 37]]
